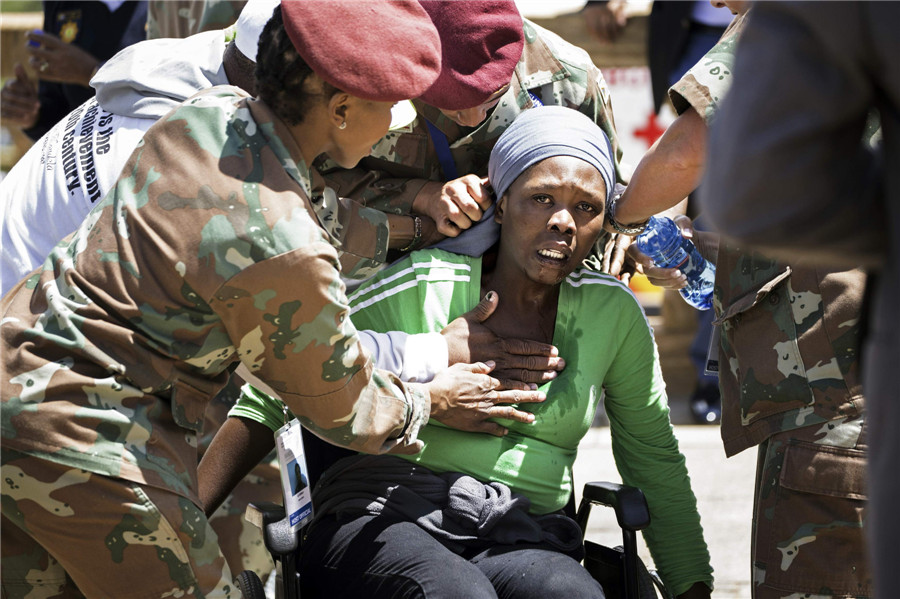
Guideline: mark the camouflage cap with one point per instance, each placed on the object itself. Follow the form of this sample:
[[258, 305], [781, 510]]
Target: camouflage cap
[[377, 50]]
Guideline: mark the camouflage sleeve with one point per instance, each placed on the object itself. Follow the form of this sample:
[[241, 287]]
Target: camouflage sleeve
[[373, 188], [360, 234], [707, 83], [295, 334]]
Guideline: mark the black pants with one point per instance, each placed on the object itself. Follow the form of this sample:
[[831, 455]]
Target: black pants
[[376, 557]]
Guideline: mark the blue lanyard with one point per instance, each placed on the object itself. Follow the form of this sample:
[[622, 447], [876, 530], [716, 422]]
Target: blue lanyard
[[442, 148]]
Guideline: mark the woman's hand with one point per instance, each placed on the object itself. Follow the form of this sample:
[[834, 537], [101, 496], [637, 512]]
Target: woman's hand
[[455, 205], [19, 103], [464, 396], [614, 256], [55, 60], [671, 278], [520, 363], [667, 278], [707, 243]]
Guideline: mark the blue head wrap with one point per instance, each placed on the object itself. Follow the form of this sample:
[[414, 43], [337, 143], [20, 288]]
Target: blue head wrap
[[536, 134], [545, 132]]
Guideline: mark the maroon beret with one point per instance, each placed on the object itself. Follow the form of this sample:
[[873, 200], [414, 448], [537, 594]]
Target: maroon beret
[[380, 50], [481, 42]]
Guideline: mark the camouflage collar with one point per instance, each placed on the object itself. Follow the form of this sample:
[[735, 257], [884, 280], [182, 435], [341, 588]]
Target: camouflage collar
[[280, 139], [538, 66], [321, 199]]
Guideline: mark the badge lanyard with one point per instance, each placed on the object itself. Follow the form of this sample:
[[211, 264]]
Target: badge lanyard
[[442, 148], [294, 473]]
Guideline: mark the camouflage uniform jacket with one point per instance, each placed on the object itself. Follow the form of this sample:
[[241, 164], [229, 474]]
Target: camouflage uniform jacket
[[789, 334], [208, 251], [555, 71]]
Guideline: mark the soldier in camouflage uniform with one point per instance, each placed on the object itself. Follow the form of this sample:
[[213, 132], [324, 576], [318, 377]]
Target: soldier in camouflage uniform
[[840, 201], [789, 378], [112, 352], [39, 204], [482, 88]]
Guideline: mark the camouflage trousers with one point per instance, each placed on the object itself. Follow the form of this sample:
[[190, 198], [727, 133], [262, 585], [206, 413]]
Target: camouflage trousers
[[809, 511], [71, 533]]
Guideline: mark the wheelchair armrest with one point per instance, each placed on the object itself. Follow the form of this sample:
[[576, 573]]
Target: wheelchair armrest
[[629, 504], [632, 514], [262, 513], [270, 518]]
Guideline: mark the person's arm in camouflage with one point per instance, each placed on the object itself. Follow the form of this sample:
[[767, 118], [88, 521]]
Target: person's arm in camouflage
[[672, 168], [302, 345], [453, 206], [373, 188], [307, 351]]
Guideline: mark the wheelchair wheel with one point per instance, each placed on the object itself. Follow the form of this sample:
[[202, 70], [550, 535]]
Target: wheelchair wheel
[[250, 585]]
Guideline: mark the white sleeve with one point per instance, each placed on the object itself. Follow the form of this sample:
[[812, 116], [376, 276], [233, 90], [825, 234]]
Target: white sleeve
[[413, 358]]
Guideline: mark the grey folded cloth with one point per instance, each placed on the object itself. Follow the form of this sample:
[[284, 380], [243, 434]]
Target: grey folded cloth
[[457, 509], [476, 240]]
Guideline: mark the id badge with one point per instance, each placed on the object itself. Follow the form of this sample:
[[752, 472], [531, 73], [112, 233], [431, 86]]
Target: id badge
[[712, 354], [294, 474]]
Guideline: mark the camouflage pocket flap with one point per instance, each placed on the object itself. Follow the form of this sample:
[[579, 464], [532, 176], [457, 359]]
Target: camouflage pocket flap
[[752, 297], [189, 405], [825, 470]]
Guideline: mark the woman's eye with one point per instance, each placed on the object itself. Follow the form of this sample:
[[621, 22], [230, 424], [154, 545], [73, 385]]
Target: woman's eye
[[589, 208], [542, 199]]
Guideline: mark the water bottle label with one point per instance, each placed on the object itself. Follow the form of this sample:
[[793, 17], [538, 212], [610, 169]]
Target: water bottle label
[[701, 278], [664, 244]]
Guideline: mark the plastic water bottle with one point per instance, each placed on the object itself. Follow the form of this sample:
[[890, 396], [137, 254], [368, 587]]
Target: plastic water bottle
[[663, 243]]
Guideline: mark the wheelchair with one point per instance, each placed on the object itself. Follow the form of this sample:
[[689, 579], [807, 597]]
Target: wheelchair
[[619, 570]]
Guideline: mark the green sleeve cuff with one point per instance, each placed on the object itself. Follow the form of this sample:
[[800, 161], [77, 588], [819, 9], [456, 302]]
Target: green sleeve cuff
[[255, 405]]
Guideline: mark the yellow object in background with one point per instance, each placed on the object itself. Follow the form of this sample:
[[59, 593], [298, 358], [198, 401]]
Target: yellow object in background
[[649, 295], [641, 284]]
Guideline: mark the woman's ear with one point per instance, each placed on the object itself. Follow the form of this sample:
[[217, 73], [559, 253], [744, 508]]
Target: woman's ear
[[499, 208], [337, 109]]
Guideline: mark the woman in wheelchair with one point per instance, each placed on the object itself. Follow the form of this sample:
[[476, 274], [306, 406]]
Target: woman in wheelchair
[[476, 515]]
